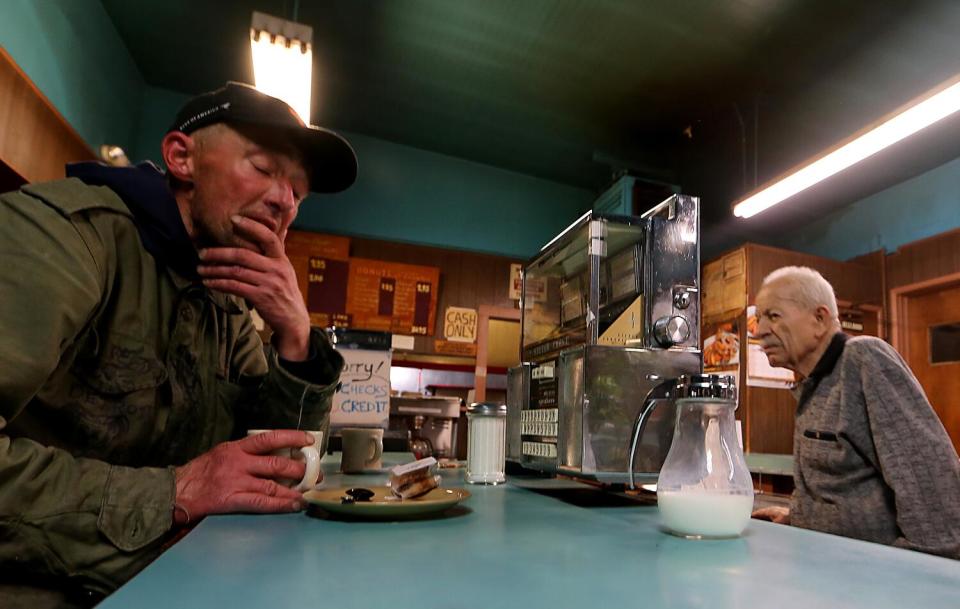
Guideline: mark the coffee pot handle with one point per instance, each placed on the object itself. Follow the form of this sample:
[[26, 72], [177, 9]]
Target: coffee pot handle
[[654, 397]]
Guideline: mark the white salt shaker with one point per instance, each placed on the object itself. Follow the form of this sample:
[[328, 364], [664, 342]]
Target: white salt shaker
[[486, 443]]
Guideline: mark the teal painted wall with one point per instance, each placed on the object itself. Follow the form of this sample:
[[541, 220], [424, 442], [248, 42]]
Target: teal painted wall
[[414, 196], [156, 114], [921, 207], [71, 51], [411, 195]]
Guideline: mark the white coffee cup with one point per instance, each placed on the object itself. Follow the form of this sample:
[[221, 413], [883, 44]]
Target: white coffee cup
[[310, 455], [362, 449]]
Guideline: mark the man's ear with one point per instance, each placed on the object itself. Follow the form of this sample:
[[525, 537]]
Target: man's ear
[[178, 151], [824, 318]]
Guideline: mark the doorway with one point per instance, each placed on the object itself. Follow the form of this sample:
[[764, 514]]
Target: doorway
[[498, 333], [927, 334]]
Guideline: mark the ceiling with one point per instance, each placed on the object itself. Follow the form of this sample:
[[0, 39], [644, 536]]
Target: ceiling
[[715, 96]]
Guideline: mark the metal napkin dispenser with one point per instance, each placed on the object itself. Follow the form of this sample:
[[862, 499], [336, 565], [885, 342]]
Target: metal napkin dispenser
[[589, 364]]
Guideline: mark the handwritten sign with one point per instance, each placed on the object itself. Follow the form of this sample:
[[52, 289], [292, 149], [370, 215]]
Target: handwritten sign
[[460, 325], [364, 394]]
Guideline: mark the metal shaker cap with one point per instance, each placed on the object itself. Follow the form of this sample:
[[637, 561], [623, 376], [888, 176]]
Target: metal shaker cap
[[487, 409], [706, 386]]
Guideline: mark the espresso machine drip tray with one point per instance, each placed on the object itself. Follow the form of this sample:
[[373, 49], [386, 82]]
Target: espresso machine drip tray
[[431, 421]]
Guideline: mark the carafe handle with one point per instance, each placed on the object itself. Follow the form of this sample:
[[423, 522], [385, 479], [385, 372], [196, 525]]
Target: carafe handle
[[655, 396]]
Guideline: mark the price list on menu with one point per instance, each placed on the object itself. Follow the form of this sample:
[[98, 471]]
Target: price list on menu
[[327, 292], [373, 295]]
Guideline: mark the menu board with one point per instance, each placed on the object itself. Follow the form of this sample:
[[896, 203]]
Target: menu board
[[392, 297], [301, 244], [327, 291], [360, 293], [372, 295]]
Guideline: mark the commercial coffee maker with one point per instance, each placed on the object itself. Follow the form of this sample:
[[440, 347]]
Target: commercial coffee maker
[[430, 421], [610, 316]]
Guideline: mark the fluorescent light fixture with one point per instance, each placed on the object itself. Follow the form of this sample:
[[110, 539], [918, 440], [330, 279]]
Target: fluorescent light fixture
[[283, 60], [900, 125]]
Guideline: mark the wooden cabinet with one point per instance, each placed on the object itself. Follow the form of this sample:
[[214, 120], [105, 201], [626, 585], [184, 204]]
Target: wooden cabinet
[[35, 141], [730, 286]]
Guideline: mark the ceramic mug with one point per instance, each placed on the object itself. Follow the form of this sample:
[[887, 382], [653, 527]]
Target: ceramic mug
[[310, 454], [362, 449]]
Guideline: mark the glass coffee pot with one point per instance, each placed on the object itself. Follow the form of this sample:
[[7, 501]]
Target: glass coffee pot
[[704, 489], [420, 447]]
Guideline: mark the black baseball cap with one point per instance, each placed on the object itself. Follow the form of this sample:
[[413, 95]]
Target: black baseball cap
[[328, 157]]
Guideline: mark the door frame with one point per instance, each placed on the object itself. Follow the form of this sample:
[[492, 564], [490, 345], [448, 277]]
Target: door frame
[[484, 315], [899, 298]]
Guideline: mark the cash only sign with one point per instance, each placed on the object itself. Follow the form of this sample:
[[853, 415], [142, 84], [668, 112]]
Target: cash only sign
[[364, 395]]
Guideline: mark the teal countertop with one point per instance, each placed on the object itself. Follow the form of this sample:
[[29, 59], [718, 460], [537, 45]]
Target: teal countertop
[[528, 543], [768, 463]]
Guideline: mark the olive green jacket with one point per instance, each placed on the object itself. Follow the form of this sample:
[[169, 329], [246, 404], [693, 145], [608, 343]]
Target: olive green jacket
[[114, 369]]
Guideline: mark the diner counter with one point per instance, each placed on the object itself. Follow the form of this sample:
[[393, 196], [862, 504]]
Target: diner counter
[[529, 543], [768, 463]]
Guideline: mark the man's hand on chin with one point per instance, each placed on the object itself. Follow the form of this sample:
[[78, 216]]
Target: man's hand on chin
[[266, 279]]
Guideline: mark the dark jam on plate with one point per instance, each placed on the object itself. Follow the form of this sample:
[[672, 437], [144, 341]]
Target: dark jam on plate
[[354, 495]]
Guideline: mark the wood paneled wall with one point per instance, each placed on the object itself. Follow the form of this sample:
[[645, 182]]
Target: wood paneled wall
[[35, 140], [768, 418], [856, 282], [922, 260], [467, 279]]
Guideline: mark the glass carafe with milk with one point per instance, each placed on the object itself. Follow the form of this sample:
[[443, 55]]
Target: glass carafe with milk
[[704, 489]]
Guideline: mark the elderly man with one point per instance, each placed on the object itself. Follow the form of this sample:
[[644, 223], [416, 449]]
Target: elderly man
[[129, 358], [872, 460]]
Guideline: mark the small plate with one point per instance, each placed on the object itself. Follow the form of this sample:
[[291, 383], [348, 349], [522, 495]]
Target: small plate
[[384, 503]]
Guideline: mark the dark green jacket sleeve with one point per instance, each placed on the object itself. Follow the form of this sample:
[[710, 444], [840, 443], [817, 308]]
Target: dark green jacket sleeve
[[283, 399], [59, 514]]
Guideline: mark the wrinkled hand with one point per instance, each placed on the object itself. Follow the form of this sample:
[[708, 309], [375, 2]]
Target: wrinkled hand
[[777, 514], [266, 279], [240, 477]]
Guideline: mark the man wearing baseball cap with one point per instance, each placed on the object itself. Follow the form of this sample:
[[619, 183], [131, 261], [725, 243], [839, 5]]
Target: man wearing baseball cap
[[130, 364]]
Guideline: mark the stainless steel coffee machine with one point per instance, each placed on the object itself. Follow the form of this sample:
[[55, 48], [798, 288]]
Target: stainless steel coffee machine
[[610, 312], [431, 422]]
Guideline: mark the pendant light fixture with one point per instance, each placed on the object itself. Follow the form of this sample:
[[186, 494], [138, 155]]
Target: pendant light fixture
[[283, 60]]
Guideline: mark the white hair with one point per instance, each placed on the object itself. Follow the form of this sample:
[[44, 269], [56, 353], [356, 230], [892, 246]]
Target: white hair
[[806, 286]]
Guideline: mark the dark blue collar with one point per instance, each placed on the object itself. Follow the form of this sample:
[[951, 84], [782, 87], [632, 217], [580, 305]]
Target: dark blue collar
[[145, 191]]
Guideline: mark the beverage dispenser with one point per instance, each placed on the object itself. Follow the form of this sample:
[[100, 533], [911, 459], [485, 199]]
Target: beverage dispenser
[[610, 311]]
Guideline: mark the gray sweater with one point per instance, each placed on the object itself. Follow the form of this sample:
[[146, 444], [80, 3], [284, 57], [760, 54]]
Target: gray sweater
[[872, 460]]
